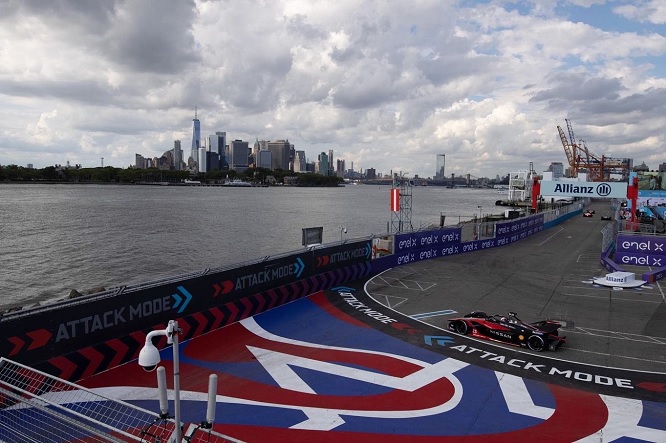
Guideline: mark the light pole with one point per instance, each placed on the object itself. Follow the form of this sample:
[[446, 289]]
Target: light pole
[[478, 234], [149, 358], [343, 230]]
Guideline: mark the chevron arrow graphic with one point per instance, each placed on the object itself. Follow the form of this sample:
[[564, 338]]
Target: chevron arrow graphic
[[299, 267], [179, 299]]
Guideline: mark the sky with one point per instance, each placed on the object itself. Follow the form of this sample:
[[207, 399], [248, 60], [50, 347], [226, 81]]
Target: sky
[[384, 84]]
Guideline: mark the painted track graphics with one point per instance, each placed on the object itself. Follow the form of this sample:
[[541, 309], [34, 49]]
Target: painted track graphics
[[336, 367]]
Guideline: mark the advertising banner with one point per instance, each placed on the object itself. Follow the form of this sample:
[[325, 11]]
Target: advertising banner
[[414, 253], [420, 240], [640, 259], [517, 225], [337, 256], [644, 244], [584, 189]]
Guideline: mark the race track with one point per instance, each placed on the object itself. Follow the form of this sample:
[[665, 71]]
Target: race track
[[373, 361]]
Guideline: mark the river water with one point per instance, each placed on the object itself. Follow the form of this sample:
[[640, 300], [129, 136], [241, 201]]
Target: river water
[[54, 238]]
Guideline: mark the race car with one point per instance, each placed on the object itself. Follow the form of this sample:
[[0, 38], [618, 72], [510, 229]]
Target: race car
[[510, 329], [588, 213]]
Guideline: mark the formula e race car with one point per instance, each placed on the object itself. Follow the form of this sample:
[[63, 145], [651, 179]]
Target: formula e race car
[[510, 329]]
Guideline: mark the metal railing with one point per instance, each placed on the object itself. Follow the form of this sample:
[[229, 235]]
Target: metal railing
[[38, 407]]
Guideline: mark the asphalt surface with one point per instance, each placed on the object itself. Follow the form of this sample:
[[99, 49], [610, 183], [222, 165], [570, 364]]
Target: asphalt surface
[[547, 275]]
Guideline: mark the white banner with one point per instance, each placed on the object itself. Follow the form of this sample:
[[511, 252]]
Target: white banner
[[584, 189]]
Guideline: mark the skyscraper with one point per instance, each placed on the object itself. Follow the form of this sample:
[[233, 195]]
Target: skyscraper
[[264, 159], [441, 163], [323, 163], [177, 155], [299, 162], [331, 170], [239, 155], [196, 136], [201, 162], [280, 150], [340, 168], [216, 144]]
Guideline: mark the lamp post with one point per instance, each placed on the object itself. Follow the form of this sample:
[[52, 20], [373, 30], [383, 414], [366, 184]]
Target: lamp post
[[149, 358], [480, 209]]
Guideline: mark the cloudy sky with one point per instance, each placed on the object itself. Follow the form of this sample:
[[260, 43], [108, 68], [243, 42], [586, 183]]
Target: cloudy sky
[[385, 84]]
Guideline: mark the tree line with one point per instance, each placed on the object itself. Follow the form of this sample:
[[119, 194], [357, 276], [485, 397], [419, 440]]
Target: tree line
[[109, 174]]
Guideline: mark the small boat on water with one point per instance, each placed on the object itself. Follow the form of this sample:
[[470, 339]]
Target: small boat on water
[[238, 183]]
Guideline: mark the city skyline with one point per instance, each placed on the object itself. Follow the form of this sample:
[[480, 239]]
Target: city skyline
[[385, 85]]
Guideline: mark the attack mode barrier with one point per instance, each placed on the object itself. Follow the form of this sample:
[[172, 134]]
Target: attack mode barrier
[[77, 338]]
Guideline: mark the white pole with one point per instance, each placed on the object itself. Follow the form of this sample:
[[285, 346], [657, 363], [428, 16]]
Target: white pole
[[176, 381], [162, 390], [212, 398]]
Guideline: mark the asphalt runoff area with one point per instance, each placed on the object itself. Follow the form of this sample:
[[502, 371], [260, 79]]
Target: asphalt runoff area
[[545, 276]]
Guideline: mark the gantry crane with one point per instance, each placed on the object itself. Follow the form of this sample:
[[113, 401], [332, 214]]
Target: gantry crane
[[581, 159]]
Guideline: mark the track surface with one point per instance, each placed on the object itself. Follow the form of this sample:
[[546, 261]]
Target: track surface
[[547, 275], [340, 366]]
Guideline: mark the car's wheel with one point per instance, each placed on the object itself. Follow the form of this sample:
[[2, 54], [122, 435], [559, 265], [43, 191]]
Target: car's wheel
[[536, 343], [462, 328]]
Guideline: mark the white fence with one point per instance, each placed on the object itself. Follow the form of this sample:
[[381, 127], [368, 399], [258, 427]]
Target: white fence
[[36, 407]]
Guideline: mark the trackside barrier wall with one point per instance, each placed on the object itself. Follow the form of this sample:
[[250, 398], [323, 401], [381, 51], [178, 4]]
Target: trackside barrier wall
[[78, 338], [643, 250]]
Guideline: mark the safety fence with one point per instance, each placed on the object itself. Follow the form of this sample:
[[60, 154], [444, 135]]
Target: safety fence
[[37, 407]]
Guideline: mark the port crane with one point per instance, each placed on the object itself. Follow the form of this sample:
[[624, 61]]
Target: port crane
[[581, 159]]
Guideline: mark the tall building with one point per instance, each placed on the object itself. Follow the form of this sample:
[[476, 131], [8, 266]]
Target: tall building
[[216, 144], [140, 162], [201, 160], [264, 159], [300, 161], [255, 150], [196, 136], [331, 164], [322, 160], [280, 150], [441, 163], [292, 156], [177, 155], [239, 155], [340, 168], [557, 168]]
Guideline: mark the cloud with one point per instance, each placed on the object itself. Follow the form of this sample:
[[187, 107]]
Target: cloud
[[387, 85]]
